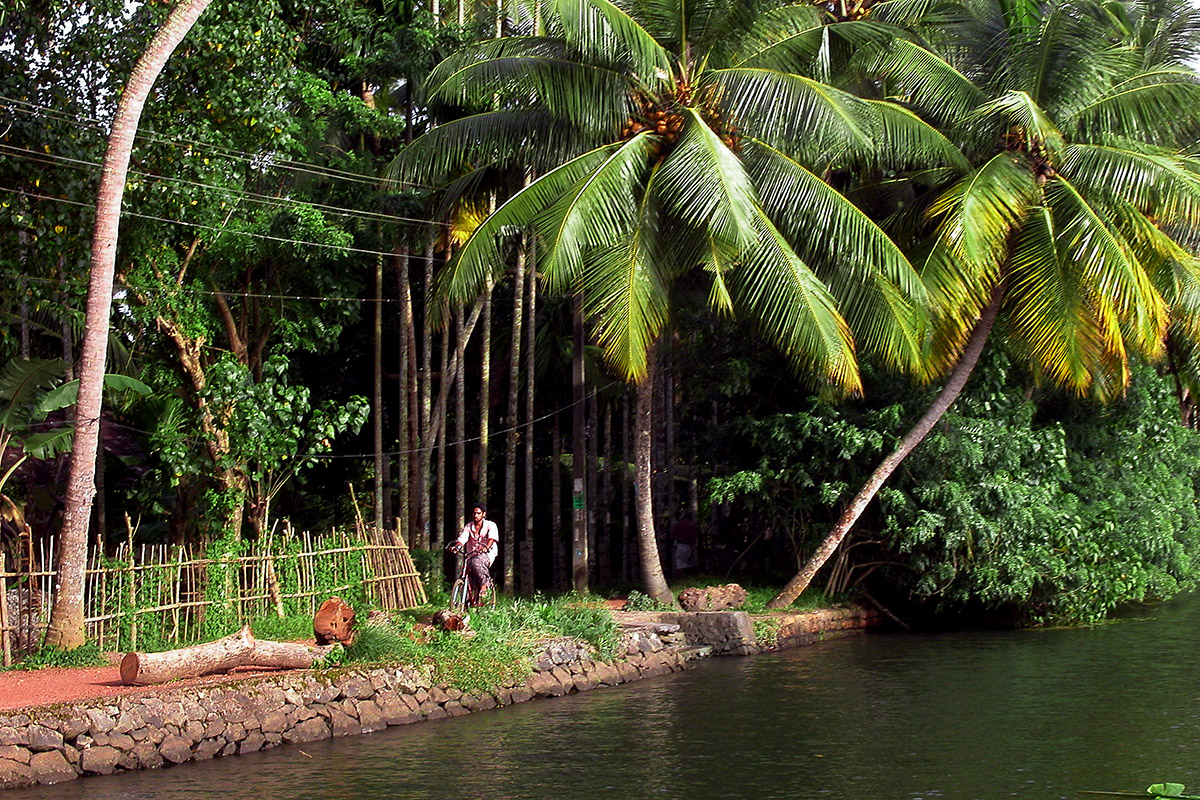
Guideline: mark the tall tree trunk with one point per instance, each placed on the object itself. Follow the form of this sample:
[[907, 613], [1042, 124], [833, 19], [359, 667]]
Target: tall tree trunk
[[579, 533], [652, 574], [512, 434], [945, 399], [559, 555], [404, 422], [589, 492], [629, 561], [527, 568], [435, 538], [426, 454], [66, 630], [377, 396], [485, 401], [604, 553], [460, 421]]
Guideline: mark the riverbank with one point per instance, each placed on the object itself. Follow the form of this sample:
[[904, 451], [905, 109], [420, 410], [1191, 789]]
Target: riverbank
[[58, 739]]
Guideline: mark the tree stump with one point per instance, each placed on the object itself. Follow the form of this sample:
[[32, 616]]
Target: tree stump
[[334, 622], [210, 658]]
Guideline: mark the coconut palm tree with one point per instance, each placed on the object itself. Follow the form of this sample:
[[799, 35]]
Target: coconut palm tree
[[1066, 235], [66, 629], [671, 137]]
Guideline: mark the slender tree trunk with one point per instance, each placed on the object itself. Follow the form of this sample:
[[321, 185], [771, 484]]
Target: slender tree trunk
[[556, 524], [580, 557], [604, 556], [629, 561], [460, 421], [527, 564], [404, 424], [485, 402], [66, 630], [945, 399], [512, 434], [377, 396], [435, 540], [652, 574], [427, 452], [594, 547]]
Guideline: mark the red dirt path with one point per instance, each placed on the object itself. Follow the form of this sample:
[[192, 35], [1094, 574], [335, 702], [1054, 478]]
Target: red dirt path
[[43, 687]]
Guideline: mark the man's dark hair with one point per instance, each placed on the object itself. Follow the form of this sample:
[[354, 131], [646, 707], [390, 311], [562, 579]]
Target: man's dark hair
[[480, 506]]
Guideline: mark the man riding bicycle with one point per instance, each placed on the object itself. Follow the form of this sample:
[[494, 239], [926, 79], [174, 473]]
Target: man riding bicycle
[[480, 543]]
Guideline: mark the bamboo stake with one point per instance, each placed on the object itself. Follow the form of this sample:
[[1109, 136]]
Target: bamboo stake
[[5, 649]]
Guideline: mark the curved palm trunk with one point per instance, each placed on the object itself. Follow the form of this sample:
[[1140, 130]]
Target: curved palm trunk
[[954, 386], [643, 419], [66, 629]]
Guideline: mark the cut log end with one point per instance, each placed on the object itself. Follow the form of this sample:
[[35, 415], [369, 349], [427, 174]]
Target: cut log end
[[129, 668]]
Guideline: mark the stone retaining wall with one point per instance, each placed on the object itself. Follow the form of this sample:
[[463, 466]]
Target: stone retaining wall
[[173, 725]]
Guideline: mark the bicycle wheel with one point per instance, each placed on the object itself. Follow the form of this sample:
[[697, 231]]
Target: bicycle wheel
[[458, 595]]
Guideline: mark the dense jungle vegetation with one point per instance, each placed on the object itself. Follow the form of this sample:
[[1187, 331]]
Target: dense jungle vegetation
[[597, 264]]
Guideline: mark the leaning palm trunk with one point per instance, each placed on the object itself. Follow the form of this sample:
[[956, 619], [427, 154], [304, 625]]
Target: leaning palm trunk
[[66, 630], [954, 386], [652, 573]]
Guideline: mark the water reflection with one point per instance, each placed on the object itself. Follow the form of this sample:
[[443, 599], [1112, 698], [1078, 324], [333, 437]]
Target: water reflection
[[973, 716]]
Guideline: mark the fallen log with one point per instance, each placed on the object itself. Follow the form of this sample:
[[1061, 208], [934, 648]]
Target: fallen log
[[209, 658]]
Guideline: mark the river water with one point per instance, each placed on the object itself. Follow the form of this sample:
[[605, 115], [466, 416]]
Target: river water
[[954, 716]]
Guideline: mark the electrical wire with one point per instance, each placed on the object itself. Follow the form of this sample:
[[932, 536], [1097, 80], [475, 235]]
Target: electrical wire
[[279, 202], [26, 107]]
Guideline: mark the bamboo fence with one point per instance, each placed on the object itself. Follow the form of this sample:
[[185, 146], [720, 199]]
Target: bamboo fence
[[157, 596]]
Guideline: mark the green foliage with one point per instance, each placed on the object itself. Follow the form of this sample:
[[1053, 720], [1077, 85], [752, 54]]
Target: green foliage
[[1059, 518], [1169, 791], [498, 653], [638, 601], [86, 655], [766, 631]]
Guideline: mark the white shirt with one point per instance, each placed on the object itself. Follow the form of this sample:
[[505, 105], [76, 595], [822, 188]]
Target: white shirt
[[489, 531]]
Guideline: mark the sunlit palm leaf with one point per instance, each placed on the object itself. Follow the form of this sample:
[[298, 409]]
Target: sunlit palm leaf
[[1047, 307], [705, 184], [533, 137], [877, 290], [796, 114], [795, 309], [596, 211], [1161, 108], [604, 32], [479, 260]]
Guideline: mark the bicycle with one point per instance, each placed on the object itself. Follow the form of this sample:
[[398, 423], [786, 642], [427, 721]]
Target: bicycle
[[460, 592]]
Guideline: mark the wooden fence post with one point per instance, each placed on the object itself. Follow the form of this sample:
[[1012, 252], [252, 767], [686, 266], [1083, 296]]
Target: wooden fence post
[[5, 651]]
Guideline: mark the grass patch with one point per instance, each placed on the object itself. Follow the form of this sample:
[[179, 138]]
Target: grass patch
[[86, 655], [499, 652]]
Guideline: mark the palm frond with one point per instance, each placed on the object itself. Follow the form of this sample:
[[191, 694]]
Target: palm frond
[[814, 51], [602, 31], [877, 290], [595, 212], [705, 184], [480, 259], [530, 137], [910, 142], [590, 97], [1109, 267], [624, 288], [1160, 108], [796, 114], [1161, 184], [923, 80], [980, 211], [795, 309], [1046, 307], [1019, 109]]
